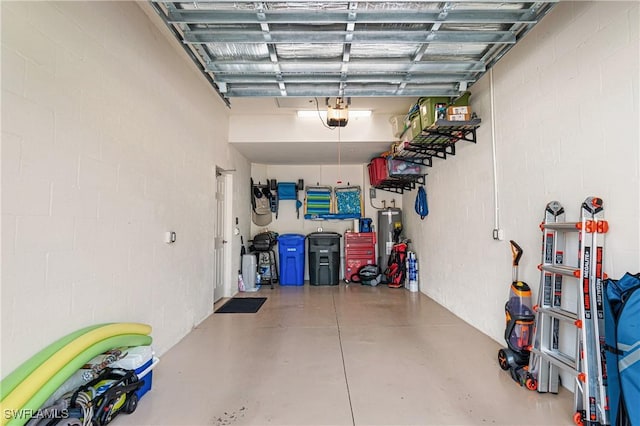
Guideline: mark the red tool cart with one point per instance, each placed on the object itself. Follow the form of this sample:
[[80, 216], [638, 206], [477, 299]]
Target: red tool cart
[[359, 250]]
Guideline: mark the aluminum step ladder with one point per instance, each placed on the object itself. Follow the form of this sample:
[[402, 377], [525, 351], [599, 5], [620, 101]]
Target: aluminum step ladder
[[587, 365]]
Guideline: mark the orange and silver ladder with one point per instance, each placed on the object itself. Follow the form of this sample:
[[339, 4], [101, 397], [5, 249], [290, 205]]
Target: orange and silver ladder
[[549, 310], [588, 363]]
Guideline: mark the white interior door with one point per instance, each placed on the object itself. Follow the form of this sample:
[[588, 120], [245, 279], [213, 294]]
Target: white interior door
[[219, 241]]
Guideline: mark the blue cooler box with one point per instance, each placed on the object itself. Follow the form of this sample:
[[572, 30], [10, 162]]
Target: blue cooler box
[[145, 375], [291, 257], [141, 359]]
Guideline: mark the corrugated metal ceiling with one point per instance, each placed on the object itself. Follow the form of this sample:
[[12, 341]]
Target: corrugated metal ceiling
[[347, 49]]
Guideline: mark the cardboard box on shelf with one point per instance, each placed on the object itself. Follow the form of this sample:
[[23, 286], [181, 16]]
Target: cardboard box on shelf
[[459, 117], [454, 110]]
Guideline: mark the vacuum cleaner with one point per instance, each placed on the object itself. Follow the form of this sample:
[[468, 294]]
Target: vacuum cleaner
[[519, 327]]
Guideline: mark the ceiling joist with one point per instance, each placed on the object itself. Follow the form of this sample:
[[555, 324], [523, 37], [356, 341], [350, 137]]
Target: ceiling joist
[[347, 48]]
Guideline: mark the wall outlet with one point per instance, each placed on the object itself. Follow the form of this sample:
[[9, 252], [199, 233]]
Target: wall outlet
[[498, 234], [372, 193], [169, 237]]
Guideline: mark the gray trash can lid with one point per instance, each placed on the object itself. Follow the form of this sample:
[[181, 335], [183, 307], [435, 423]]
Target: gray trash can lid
[[324, 235]]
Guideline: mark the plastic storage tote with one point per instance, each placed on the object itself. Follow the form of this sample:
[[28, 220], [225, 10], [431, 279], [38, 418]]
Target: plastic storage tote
[[416, 124], [378, 171], [399, 124], [402, 168], [431, 109], [324, 258], [291, 257]]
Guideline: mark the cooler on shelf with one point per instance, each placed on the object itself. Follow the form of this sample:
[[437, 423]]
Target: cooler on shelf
[[359, 250], [291, 257], [324, 258]]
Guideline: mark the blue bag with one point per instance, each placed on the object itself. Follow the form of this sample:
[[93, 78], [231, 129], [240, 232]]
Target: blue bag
[[422, 208], [622, 338]]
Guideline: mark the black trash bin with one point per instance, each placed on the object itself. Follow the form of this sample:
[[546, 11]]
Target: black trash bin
[[324, 258]]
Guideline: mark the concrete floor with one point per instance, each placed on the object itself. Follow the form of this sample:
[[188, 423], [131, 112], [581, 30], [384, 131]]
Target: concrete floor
[[340, 355]]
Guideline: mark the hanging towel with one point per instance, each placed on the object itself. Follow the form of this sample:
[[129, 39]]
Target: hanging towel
[[348, 200], [318, 201], [287, 191]]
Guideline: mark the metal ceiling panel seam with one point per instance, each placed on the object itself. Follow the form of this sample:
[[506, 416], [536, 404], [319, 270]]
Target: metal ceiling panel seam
[[351, 49]]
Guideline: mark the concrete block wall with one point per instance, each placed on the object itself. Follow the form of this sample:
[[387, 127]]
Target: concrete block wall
[[566, 122], [110, 138]]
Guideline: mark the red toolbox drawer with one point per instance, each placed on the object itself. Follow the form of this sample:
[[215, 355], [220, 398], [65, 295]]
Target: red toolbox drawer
[[359, 250], [352, 239]]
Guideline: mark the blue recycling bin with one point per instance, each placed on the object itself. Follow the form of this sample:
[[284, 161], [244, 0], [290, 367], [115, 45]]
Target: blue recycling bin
[[291, 257]]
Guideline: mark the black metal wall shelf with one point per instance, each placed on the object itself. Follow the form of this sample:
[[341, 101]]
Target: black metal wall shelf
[[437, 141], [399, 184], [443, 132]]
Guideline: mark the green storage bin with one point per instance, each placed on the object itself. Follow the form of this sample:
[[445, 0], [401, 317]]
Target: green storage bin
[[463, 100], [428, 109], [416, 124]]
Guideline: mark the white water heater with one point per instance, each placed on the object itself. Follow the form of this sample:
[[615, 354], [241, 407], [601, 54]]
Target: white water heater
[[389, 222]]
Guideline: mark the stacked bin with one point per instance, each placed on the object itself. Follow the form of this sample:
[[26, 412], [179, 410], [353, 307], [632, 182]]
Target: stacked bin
[[324, 258], [291, 257]]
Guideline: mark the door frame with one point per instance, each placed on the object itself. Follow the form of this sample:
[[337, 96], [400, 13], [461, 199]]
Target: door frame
[[225, 289]]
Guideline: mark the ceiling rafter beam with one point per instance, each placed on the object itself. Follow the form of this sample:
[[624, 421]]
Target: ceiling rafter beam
[[314, 91], [355, 66], [260, 8], [201, 53], [233, 78], [220, 17], [197, 61], [346, 49], [444, 12], [349, 37]]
